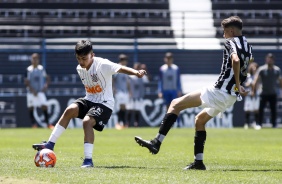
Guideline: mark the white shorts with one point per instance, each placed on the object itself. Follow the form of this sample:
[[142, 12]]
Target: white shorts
[[135, 104], [121, 98], [36, 101], [215, 101], [251, 103]]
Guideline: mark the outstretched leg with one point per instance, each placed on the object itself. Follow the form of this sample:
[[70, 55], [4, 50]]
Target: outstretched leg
[[70, 112], [189, 100]]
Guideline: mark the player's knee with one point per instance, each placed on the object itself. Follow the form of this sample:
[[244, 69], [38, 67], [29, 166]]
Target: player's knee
[[88, 122], [71, 112], [175, 104], [199, 120]]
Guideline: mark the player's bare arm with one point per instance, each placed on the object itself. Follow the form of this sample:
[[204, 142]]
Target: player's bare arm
[[46, 85], [236, 68], [254, 84], [131, 71], [27, 83]]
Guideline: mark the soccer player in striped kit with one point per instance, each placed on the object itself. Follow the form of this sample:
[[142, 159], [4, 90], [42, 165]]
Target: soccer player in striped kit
[[214, 99], [96, 107]]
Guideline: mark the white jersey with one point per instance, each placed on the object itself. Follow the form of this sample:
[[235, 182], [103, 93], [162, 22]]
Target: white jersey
[[98, 81]]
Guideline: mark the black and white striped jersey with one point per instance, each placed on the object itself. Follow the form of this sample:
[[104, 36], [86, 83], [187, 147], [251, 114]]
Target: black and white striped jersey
[[226, 80]]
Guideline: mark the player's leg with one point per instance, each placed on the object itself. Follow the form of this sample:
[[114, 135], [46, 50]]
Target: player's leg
[[189, 100], [262, 104], [88, 124], [32, 118], [247, 109], [273, 108], [42, 100], [200, 137], [95, 118], [72, 111], [174, 95], [256, 100], [121, 114], [30, 107]]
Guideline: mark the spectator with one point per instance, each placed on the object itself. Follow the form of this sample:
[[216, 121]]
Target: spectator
[[251, 102], [121, 93], [144, 67], [136, 93], [37, 82], [269, 74], [169, 86]]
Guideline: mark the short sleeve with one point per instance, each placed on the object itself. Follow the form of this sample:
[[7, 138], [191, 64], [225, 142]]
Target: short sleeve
[[110, 67], [231, 47]]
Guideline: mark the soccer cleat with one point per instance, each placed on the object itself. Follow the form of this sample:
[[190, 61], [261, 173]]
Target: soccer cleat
[[43, 145], [196, 166], [153, 145], [87, 163]]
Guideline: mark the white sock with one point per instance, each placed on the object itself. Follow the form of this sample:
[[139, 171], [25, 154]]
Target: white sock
[[56, 133], [88, 150], [199, 156], [160, 137]]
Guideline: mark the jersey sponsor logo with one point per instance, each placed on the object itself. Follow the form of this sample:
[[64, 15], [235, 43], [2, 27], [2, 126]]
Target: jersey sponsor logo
[[94, 89]]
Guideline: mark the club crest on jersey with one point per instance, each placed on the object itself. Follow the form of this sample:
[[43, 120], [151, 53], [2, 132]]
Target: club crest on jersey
[[94, 78], [97, 111]]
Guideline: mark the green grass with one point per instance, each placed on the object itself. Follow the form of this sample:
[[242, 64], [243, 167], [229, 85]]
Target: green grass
[[231, 156]]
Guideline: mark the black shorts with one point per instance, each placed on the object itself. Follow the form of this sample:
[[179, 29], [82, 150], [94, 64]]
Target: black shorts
[[99, 112]]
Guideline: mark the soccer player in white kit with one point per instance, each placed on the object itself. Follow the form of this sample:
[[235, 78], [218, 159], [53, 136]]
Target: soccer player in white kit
[[37, 82], [121, 94], [96, 107]]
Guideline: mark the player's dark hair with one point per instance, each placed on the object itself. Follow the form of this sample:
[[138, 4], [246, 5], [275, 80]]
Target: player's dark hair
[[83, 47], [168, 55], [122, 57], [270, 55], [232, 21]]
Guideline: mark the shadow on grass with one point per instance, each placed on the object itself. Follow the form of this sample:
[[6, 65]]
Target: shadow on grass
[[121, 167], [253, 170]]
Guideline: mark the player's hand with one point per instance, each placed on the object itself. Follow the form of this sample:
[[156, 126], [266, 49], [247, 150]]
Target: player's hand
[[141, 73], [243, 92], [160, 95]]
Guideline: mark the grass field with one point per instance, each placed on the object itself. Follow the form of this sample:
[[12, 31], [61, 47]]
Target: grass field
[[231, 156]]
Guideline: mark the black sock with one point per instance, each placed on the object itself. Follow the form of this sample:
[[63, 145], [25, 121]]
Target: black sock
[[199, 143], [247, 118], [121, 116], [46, 116], [33, 121], [167, 123], [137, 116], [256, 117]]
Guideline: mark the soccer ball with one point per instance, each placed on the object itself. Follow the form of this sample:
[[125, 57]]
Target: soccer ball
[[45, 158]]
